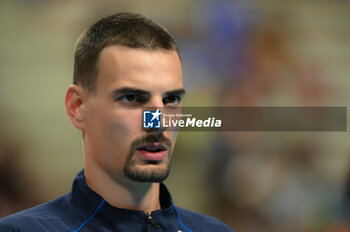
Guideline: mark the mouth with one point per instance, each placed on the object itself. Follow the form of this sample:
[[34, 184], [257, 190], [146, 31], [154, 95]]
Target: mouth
[[152, 151]]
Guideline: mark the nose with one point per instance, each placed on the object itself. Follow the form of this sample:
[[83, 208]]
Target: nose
[[156, 131], [156, 103]]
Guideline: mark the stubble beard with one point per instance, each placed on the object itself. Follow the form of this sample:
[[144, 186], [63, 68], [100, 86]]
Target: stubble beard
[[152, 174]]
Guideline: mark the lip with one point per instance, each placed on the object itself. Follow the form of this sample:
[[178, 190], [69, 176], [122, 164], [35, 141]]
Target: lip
[[147, 153]]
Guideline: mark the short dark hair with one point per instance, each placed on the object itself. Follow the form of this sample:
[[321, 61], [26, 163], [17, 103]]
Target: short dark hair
[[124, 29]]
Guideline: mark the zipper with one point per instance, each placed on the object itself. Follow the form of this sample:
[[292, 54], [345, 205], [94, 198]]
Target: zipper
[[150, 222]]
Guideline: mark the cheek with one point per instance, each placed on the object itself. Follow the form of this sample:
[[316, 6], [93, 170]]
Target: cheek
[[122, 129], [172, 135], [127, 120], [119, 130]]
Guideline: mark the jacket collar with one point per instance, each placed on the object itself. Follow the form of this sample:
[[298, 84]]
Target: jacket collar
[[87, 201]]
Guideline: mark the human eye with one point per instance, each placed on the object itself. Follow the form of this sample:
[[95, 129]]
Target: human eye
[[172, 100], [131, 99], [128, 98]]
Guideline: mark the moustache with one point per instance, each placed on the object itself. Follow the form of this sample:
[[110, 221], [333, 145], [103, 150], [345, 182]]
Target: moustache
[[151, 138]]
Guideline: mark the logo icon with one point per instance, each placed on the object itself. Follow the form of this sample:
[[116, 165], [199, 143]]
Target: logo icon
[[151, 118]]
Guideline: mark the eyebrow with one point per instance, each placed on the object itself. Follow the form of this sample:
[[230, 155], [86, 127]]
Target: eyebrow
[[179, 92], [128, 90]]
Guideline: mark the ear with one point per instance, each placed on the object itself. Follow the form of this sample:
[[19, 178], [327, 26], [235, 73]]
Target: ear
[[75, 105]]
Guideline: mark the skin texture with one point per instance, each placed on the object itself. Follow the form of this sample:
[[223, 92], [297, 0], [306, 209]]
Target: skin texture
[[110, 122]]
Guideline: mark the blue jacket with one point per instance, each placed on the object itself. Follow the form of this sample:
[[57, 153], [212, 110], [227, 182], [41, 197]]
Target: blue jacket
[[84, 210]]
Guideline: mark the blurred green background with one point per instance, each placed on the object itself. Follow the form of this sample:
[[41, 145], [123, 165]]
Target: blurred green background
[[235, 53]]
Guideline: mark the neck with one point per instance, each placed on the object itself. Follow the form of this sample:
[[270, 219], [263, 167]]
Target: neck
[[121, 192]]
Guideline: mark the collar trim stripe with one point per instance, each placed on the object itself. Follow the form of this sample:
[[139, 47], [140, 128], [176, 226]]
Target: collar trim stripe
[[92, 217], [179, 220]]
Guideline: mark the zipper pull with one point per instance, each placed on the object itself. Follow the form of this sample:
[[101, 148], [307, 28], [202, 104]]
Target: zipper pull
[[149, 220]]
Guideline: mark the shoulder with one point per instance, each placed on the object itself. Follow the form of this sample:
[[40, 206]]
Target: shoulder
[[36, 218], [4, 227], [201, 222]]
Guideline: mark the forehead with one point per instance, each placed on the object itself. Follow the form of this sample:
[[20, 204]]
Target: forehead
[[121, 66]]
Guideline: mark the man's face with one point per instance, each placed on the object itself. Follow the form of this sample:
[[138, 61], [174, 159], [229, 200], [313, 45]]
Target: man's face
[[129, 79]]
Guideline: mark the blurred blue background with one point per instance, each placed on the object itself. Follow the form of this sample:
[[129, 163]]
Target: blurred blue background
[[235, 53]]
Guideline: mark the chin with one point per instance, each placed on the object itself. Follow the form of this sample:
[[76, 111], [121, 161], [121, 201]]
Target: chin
[[149, 173]]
